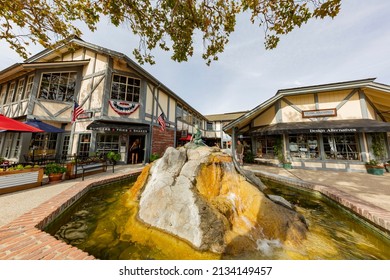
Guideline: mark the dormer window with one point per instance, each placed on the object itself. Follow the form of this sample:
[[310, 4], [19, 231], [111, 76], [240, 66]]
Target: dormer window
[[58, 86], [125, 88]]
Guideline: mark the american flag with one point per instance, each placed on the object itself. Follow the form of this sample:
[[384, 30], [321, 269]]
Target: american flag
[[161, 121], [77, 110]]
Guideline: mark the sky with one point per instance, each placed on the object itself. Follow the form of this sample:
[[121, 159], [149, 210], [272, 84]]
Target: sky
[[354, 45]]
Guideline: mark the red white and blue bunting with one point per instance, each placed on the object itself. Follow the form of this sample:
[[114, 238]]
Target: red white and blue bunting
[[123, 107]]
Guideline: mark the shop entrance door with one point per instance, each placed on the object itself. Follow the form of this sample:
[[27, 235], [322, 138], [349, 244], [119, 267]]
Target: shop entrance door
[[136, 152]]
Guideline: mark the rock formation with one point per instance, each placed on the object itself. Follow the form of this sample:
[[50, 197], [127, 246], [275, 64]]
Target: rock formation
[[198, 195]]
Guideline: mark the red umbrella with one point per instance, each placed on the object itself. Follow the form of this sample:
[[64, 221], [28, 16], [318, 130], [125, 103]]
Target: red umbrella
[[11, 125]]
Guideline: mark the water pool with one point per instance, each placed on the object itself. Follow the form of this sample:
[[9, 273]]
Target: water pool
[[94, 225]]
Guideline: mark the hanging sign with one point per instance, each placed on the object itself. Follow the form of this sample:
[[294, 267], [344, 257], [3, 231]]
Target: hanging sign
[[319, 113], [123, 107]]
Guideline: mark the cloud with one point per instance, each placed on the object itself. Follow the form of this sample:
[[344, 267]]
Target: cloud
[[354, 45]]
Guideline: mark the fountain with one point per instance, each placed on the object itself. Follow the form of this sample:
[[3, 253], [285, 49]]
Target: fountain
[[209, 210], [197, 194]]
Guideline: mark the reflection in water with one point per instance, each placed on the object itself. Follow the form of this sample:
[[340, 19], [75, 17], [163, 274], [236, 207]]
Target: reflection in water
[[96, 222]]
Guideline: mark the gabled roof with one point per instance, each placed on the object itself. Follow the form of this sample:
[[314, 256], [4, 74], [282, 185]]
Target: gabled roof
[[225, 117], [369, 83], [48, 55]]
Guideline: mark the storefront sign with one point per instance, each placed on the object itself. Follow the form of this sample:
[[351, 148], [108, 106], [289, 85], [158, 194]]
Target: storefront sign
[[86, 115], [333, 130], [319, 113], [120, 129]]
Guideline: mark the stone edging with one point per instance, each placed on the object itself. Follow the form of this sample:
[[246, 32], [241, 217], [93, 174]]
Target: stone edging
[[378, 217], [23, 239]]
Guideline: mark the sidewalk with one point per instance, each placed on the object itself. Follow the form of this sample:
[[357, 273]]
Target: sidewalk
[[24, 213], [366, 195]]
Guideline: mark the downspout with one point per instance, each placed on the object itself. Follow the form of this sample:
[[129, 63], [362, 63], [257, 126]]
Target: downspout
[[151, 122]]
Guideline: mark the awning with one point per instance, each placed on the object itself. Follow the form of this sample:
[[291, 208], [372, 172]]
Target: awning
[[118, 127], [187, 138], [44, 126], [337, 126], [11, 125]]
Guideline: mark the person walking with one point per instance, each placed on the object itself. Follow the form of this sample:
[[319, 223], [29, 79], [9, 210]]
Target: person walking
[[134, 151], [240, 153]]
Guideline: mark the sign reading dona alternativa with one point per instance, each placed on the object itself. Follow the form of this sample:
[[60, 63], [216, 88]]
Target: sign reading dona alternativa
[[332, 130]]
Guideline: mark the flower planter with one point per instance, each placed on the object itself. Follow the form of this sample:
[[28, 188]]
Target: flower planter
[[55, 177], [16, 180], [375, 170]]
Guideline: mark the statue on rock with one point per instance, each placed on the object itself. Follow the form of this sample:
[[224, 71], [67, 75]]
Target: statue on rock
[[196, 139]]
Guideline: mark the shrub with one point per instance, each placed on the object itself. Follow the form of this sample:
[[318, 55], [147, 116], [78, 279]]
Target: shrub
[[154, 157], [54, 168]]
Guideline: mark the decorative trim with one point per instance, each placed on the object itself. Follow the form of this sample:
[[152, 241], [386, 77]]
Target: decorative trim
[[123, 107]]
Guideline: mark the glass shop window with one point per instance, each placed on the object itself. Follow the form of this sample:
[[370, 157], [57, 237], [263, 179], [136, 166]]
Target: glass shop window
[[106, 143], [304, 146], [343, 146], [265, 146], [84, 145]]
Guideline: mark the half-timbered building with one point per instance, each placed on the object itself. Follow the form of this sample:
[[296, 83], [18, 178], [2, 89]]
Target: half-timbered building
[[338, 126], [119, 103]]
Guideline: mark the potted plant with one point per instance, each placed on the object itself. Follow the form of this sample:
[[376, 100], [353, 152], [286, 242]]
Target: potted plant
[[374, 167], [113, 157], [54, 171], [286, 163]]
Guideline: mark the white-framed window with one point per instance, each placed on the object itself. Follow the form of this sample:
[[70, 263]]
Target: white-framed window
[[341, 146], [16, 145], [84, 145], [29, 87], [11, 148], [58, 86], [305, 146], [11, 93], [19, 91], [125, 88], [210, 126], [3, 93]]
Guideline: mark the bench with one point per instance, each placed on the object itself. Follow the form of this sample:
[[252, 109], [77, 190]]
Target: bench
[[266, 161], [82, 166]]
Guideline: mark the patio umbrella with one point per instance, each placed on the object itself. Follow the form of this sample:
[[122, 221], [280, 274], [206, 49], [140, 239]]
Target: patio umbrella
[[11, 125], [44, 126]]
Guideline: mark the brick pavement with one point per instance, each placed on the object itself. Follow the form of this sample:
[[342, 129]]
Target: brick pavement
[[23, 239]]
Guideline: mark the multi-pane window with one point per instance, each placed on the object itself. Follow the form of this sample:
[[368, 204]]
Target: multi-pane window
[[84, 145], [16, 145], [11, 148], [65, 145], [3, 94], [303, 146], [106, 143], [19, 92], [341, 146], [29, 86], [11, 93], [58, 86], [265, 146], [45, 143], [125, 88], [210, 126]]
